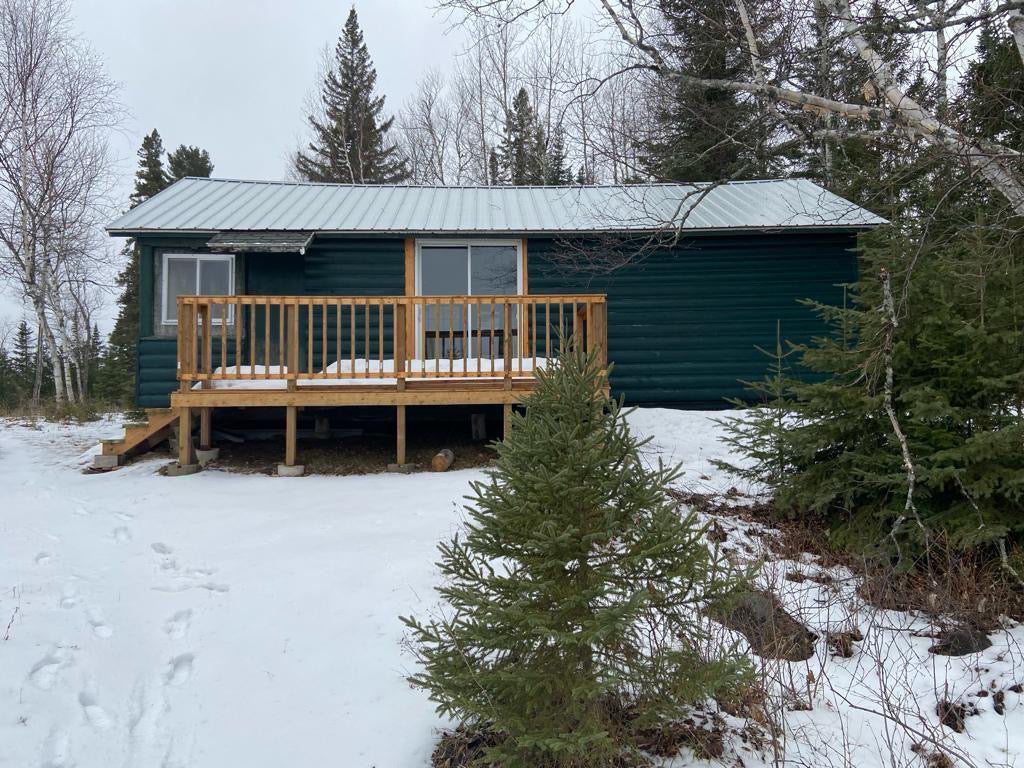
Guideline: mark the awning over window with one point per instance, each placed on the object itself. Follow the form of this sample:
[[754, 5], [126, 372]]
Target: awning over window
[[260, 242]]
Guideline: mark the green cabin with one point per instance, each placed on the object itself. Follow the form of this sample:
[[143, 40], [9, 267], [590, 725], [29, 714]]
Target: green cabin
[[694, 278]]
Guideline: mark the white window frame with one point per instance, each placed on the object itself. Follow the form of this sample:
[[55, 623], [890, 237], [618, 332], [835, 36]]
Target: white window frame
[[459, 242], [469, 243], [197, 257]]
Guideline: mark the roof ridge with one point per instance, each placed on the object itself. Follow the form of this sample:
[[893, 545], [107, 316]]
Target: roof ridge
[[498, 187]]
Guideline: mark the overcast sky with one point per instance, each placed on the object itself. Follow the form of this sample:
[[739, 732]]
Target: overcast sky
[[231, 76]]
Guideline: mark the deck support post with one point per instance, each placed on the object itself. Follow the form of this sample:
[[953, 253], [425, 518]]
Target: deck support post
[[400, 465], [507, 419], [205, 428], [186, 454], [400, 434], [290, 424]]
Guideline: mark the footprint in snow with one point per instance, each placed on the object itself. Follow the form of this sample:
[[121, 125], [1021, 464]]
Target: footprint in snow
[[94, 713], [99, 627], [160, 548], [179, 670], [182, 584], [177, 626], [43, 558], [58, 749], [121, 534], [68, 596], [126, 516], [44, 672]]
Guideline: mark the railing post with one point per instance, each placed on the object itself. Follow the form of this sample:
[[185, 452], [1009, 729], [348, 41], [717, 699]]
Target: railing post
[[207, 364], [293, 344], [507, 343], [399, 336], [185, 352]]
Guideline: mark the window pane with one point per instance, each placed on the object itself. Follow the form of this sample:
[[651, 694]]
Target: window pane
[[214, 280], [181, 281], [493, 273], [214, 277], [443, 270], [494, 270], [443, 273]]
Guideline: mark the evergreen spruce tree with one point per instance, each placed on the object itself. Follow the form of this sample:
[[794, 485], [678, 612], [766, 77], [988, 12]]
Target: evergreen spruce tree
[[189, 161], [150, 177], [556, 167], [24, 359], [95, 355], [575, 592], [9, 391], [703, 134], [350, 140], [115, 374], [493, 169], [526, 154], [518, 153]]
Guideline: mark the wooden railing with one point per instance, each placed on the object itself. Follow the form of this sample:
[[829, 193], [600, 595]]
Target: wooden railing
[[296, 338]]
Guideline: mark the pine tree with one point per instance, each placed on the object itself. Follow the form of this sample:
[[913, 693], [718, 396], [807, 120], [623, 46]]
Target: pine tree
[[575, 589], [115, 375], [24, 359], [493, 169], [518, 156], [526, 154], [350, 140], [94, 356], [10, 393], [704, 134], [150, 177], [958, 391], [189, 161], [556, 167]]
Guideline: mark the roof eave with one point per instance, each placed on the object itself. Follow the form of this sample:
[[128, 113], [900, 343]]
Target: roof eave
[[139, 232]]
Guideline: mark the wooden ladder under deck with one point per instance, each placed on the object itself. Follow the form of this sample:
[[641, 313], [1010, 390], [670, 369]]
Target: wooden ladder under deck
[[141, 436]]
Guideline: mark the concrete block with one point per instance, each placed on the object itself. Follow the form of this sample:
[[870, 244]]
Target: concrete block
[[107, 461], [206, 455], [403, 469], [177, 470], [290, 470]]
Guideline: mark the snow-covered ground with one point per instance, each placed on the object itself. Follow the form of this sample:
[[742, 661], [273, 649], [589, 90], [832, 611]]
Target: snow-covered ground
[[223, 620]]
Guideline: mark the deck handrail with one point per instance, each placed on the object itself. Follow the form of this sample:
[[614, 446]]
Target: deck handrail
[[388, 338]]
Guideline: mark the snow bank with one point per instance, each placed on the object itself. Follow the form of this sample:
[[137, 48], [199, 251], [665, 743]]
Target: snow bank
[[241, 620]]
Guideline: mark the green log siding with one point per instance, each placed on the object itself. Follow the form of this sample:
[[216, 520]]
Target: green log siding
[[683, 324], [353, 267], [349, 267]]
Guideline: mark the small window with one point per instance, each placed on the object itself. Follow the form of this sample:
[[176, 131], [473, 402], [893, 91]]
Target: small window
[[196, 274]]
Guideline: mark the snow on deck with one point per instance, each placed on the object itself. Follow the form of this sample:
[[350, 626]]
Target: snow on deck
[[226, 620], [486, 369]]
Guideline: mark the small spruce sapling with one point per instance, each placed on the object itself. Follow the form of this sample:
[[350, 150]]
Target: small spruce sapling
[[577, 590]]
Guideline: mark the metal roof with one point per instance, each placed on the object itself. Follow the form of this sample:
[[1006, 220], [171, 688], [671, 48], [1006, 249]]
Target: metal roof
[[218, 205]]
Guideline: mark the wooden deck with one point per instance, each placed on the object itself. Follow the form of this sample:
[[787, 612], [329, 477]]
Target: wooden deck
[[330, 351]]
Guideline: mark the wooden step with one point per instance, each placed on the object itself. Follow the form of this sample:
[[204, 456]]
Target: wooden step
[[140, 436]]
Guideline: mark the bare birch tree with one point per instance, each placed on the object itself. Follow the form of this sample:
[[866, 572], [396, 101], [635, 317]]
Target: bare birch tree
[[56, 107], [929, 26]]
